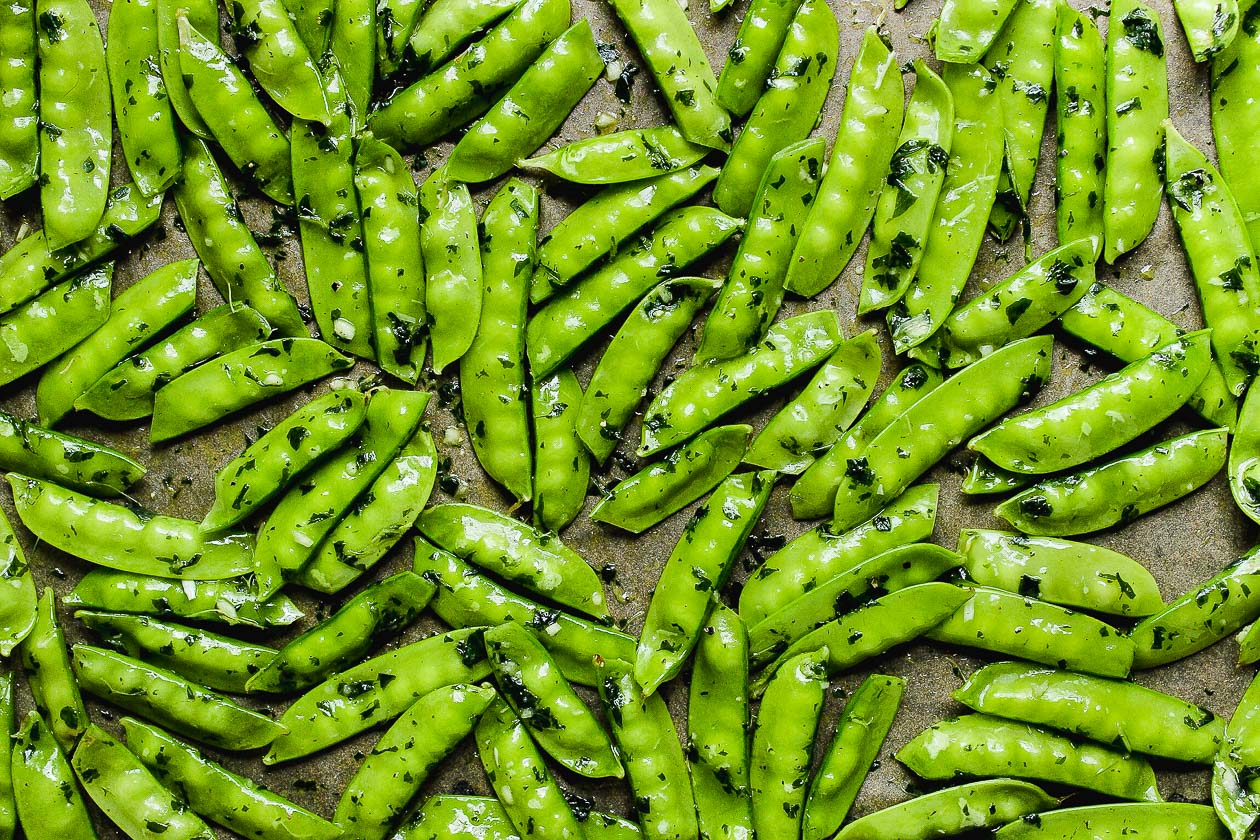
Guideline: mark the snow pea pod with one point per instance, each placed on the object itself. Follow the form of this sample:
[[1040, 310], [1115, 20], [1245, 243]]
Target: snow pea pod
[[562, 467], [142, 107], [819, 416], [49, 804], [449, 241], [446, 26], [450, 817], [19, 606], [1163, 821], [916, 173], [46, 662], [965, 31], [979, 745], [8, 808], [224, 601], [204, 16], [46, 326], [865, 142], [578, 313], [395, 21], [751, 59], [19, 112], [142, 311], [696, 570], [859, 734], [630, 363], [1080, 71], [219, 795], [1070, 574], [1244, 460], [1210, 25], [662, 489], [753, 291], [1100, 419], [313, 20], [70, 461], [352, 44], [1233, 794], [632, 155], [279, 59], [985, 478], [517, 553], [989, 804], [1234, 114], [1090, 707], [1118, 492], [529, 113], [1249, 645]]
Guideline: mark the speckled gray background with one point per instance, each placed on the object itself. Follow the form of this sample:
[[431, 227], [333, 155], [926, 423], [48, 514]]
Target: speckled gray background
[[1182, 544]]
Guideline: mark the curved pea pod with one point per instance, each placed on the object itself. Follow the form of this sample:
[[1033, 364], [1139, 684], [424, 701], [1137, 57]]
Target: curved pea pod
[[46, 326], [753, 292], [221, 601], [1080, 70], [1104, 416], [204, 16], [1101, 710], [238, 380], [378, 690], [1233, 795], [446, 26], [203, 657], [979, 745], [517, 553], [8, 808], [49, 804], [74, 462], [19, 606], [666, 487], [984, 478], [865, 142], [1201, 617], [1210, 27], [377, 612], [704, 393], [539, 101], [142, 107], [696, 570], [633, 358], [859, 734], [277, 458], [46, 662], [562, 467], [819, 555], [395, 21], [1249, 645], [1162, 821], [651, 752], [449, 241], [1244, 459], [981, 805], [19, 113], [717, 727], [966, 30], [1070, 574], [226, 246], [467, 87], [352, 42], [450, 817], [396, 768], [1118, 492], [279, 59], [916, 173], [218, 794], [577, 314], [750, 62], [1014, 308], [1234, 114], [632, 155], [543, 700]]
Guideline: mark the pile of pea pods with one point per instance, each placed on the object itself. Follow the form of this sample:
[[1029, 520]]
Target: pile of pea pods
[[328, 596]]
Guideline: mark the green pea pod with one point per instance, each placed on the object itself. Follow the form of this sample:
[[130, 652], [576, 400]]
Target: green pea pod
[[662, 489], [1093, 708], [221, 601], [313, 19], [142, 107], [352, 43], [218, 794], [631, 361], [49, 804], [1018, 625], [1129, 330], [378, 690], [539, 101], [395, 263], [966, 30], [1244, 460], [44, 327], [203, 657], [449, 817], [562, 467], [1104, 416], [396, 19], [8, 808], [517, 553], [859, 735], [979, 745], [1249, 645], [46, 662], [340, 641], [717, 727], [652, 754], [753, 292], [76, 128], [823, 411], [465, 88], [279, 59], [1163, 821], [1234, 114], [601, 226], [680, 68], [449, 240], [962, 210], [204, 16], [1233, 795], [704, 393], [984, 478], [446, 26], [632, 155], [227, 248], [19, 606], [1210, 27], [697, 568], [903, 214], [1080, 71], [1070, 574], [980, 805], [751, 59], [19, 113], [142, 311], [577, 314], [393, 772], [546, 703], [73, 462], [819, 555]]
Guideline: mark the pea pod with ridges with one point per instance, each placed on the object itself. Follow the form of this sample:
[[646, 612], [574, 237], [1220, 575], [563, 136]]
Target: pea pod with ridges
[[49, 804], [1234, 112], [1244, 459], [19, 113], [750, 60], [1163, 821], [449, 241], [965, 31], [562, 467], [44, 327], [446, 26], [19, 607], [279, 59], [1234, 798], [980, 805], [226, 601], [46, 661], [1080, 71], [632, 155], [70, 461]]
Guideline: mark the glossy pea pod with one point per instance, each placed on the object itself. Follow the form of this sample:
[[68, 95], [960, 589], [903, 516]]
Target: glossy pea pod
[[70, 461], [1080, 72], [279, 59], [222, 601], [396, 20], [46, 326], [446, 26], [313, 19], [449, 241], [19, 607], [1210, 26], [1243, 466], [1248, 645], [984, 478], [1234, 799], [49, 804], [46, 661], [662, 489], [1234, 115], [750, 60], [907, 199], [8, 719], [450, 817], [19, 112], [492, 372], [352, 43], [1162, 821], [204, 16], [869, 124], [562, 466], [753, 292], [965, 31], [980, 805], [632, 155]]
